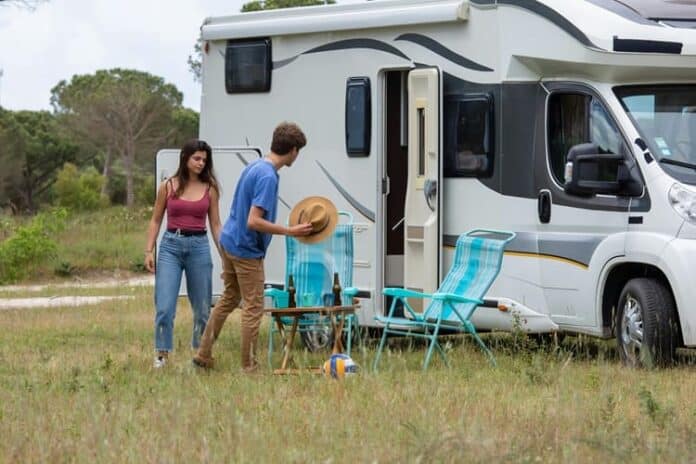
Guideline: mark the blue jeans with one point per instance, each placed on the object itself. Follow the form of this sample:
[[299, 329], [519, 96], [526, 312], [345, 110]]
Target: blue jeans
[[179, 254]]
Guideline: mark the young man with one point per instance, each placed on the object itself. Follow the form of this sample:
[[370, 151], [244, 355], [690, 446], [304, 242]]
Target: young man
[[243, 243]]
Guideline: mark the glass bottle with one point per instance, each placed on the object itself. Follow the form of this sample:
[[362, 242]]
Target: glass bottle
[[336, 290], [291, 292]]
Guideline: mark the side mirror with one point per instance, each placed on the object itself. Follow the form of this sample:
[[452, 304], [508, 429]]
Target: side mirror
[[589, 172]]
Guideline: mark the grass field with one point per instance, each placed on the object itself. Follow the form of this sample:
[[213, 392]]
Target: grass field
[[100, 244], [76, 385]]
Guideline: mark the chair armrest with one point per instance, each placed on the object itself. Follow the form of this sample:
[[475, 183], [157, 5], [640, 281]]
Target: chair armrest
[[350, 292], [280, 297], [456, 298], [404, 293], [348, 295]]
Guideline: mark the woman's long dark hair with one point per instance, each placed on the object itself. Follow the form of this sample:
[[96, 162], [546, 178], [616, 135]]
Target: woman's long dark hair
[[207, 175]]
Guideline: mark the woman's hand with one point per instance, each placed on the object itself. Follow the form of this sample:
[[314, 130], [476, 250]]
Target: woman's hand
[[150, 261]]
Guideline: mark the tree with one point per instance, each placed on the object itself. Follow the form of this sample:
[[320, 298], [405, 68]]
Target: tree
[[195, 59], [125, 111], [33, 148]]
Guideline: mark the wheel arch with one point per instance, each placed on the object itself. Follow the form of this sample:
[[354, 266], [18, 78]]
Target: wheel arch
[[617, 277]]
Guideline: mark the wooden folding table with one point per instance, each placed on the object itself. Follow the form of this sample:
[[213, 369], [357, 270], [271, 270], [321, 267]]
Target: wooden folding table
[[336, 322]]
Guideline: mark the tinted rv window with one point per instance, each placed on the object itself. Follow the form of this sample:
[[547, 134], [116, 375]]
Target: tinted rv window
[[573, 119], [358, 116], [468, 134], [248, 66]]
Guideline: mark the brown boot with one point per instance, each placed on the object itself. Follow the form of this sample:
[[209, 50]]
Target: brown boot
[[205, 363]]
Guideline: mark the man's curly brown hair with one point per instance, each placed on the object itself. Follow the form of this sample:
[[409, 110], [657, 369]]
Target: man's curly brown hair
[[287, 136]]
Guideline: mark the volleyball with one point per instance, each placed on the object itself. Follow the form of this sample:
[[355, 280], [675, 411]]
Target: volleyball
[[339, 365]]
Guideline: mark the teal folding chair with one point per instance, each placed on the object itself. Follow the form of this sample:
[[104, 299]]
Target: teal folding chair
[[477, 260], [312, 267]]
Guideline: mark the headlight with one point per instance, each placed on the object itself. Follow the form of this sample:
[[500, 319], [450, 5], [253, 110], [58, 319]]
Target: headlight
[[683, 201]]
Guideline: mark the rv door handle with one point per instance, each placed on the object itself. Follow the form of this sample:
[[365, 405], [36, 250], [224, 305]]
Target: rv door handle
[[544, 206], [430, 192]]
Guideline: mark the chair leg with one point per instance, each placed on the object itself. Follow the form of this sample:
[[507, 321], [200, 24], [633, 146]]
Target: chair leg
[[434, 343], [381, 346], [483, 346], [349, 343], [442, 354]]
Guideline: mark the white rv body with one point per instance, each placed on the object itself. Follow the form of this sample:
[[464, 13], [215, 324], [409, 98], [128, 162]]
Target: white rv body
[[521, 59]]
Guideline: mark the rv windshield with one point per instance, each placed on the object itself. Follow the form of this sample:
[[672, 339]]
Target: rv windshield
[[665, 116]]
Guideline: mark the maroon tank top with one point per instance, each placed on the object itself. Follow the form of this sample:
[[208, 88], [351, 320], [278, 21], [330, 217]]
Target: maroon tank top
[[187, 214]]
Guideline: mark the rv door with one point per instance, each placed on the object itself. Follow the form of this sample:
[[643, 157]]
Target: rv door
[[422, 247], [229, 163]]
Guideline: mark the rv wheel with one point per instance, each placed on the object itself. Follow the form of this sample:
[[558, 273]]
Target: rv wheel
[[317, 337], [646, 324]]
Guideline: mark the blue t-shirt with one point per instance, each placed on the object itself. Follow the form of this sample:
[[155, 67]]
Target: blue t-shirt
[[257, 186]]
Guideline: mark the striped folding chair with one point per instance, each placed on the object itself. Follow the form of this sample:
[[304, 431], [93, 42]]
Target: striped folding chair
[[477, 260], [312, 267]]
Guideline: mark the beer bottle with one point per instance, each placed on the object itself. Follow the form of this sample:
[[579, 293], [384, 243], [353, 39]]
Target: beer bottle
[[291, 292], [336, 290]]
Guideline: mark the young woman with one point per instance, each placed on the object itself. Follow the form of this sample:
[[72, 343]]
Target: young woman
[[189, 197]]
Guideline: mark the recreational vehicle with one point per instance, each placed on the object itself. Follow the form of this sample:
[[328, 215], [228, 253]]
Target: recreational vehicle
[[569, 122]]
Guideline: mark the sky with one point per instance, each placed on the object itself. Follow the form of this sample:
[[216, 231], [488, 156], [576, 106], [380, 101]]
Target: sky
[[61, 38]]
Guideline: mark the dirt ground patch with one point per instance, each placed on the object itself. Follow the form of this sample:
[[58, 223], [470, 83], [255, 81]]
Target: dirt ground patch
[[136, 281], [63, 300]]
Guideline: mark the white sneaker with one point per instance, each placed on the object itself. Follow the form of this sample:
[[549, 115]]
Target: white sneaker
[[160, 361]]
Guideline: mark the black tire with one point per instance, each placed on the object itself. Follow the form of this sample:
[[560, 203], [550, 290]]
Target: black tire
[[647, 326]]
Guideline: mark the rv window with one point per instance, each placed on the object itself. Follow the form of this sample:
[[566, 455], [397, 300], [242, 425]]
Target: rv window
[[468, 134], [575, 118], [358, 116], [248, 66]]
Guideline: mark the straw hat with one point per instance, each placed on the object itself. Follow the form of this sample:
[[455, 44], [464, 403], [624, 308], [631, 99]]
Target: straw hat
[[318, 211]]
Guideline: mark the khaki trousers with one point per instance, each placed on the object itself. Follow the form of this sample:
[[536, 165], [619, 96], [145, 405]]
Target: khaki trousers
[[243, 279]]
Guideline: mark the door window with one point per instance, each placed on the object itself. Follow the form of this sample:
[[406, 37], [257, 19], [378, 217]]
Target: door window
[[468, 134], [575, 118]]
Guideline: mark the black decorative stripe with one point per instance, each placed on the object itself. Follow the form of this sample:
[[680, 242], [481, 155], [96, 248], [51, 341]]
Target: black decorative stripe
[[647, 46], [436, 47], [370, 44], [349, 198], [624, 11], [359, 43], [547, 13], [281, 63]]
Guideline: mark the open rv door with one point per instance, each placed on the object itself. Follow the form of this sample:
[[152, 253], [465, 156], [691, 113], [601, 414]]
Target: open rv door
[[422, 247], [228, 163]]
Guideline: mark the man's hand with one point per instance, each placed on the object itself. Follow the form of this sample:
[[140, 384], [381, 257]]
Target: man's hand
[[300, 230]]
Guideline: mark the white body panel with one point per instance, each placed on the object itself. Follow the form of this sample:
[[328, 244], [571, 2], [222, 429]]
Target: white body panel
[[479, 43]]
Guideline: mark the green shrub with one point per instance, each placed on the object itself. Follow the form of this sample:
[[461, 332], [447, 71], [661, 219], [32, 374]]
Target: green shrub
[[31, 244], [79, 191], [145, 190]]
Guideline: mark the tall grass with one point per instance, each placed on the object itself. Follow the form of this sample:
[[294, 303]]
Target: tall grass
[[105, 242], [76, 385]]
